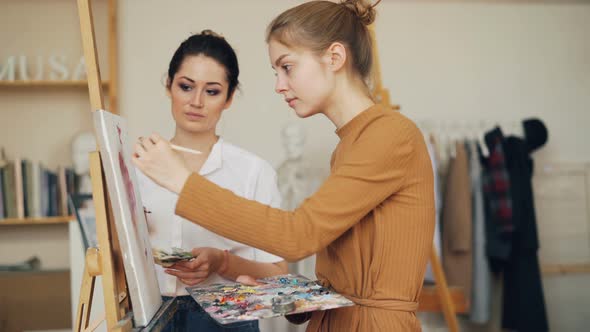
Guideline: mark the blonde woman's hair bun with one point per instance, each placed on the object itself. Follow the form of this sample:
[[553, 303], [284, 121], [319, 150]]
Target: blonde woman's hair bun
[[363, 9]]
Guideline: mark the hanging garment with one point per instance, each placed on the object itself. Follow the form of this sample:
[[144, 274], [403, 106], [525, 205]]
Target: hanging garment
[[456, 223], [431, 145], [481, 296], [498, 201], [523, 300]]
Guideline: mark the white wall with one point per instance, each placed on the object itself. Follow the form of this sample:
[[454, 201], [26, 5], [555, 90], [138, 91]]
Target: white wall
[[494, 60], [455, 60]]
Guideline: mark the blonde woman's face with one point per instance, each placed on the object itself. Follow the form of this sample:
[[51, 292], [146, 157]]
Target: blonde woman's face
[[199, 94], [302, 78]]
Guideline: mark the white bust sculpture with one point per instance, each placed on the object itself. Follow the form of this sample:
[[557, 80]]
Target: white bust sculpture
[[82, 145], [293, 137], [297, 181]]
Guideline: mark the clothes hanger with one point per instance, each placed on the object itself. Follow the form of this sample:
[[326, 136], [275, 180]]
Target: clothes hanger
[[483, 127], [453, 138]]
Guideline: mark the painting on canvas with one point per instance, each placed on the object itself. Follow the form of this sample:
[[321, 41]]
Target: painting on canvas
[[275, 296], [111, 132]]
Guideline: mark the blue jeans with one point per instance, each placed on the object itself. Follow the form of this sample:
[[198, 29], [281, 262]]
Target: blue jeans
[[191, 317]]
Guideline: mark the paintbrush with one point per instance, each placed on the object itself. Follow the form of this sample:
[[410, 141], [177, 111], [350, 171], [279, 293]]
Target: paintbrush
[[183, 149]]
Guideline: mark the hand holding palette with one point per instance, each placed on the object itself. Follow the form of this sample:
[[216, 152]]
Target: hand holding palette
[[168, 258]]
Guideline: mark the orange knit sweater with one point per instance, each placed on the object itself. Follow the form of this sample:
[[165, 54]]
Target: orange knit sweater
[[371, 223]]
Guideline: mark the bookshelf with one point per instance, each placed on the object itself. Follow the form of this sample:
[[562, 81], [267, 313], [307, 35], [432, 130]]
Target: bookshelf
[[57, 93], [38, 119]]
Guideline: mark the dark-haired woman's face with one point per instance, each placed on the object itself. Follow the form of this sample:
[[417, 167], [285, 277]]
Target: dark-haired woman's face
[[199, 94]]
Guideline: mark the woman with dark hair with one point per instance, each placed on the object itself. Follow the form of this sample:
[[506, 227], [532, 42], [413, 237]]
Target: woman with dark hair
[[202, 79]]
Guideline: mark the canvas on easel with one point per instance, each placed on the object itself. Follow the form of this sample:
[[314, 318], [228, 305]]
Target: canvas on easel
[[111, 134]]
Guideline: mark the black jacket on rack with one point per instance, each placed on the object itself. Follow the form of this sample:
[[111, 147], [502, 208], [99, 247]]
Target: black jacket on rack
[[523, 301], [499, 221]]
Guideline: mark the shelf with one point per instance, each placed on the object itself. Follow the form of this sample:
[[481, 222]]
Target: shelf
[[37, 221], [48, 83], [430, 301], [561, 269]]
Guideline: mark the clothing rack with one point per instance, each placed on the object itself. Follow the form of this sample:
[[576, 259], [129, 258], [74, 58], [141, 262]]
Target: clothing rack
[[460, 129], [447, 132]]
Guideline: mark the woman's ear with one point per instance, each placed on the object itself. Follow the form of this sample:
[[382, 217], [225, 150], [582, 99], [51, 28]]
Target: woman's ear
[[335, 56], [229, 101], [168, 87]]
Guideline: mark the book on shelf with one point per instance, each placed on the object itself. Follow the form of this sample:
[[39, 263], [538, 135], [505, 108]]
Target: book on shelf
[[18, 191], [8, 189], [35, 190], [2, 201], [62, 193], [52, 189], [25, 168]]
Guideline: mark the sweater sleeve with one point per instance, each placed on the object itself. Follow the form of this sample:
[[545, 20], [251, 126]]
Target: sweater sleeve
[[370, 170]]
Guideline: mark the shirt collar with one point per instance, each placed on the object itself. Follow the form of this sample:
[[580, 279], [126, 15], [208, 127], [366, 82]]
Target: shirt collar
[[359, 121], [214, 160]]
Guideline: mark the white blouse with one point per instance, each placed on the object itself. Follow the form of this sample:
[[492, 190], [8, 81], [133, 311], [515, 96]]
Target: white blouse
[[230, 167]]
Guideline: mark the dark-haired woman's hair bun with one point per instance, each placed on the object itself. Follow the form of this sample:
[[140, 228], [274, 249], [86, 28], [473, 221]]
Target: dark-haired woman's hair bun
[[208, 32], [364, 10]]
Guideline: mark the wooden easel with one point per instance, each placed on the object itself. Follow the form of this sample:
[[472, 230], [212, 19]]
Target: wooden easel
[[439, 297], [106, 260]]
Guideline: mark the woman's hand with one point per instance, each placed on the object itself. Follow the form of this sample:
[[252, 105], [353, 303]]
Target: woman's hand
[[247, 280], [207, 261], [156, 159]]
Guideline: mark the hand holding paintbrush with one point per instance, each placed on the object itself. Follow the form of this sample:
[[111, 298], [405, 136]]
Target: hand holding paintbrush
[[183, 149], [155, 157]]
